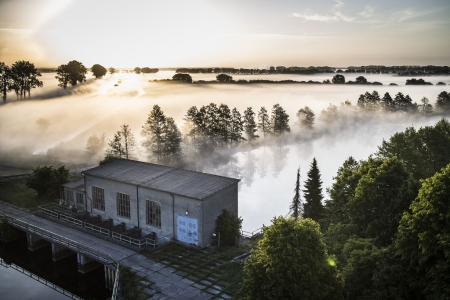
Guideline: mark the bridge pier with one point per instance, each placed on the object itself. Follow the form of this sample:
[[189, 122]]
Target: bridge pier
[[35, 242], [86, 264], [60, 252]]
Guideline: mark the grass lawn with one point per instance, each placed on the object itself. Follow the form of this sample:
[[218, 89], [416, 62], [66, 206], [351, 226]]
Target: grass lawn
[[131, 288], [212, 267], [16, 192]]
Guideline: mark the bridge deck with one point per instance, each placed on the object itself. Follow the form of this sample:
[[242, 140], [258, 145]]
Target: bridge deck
[[116, 251]]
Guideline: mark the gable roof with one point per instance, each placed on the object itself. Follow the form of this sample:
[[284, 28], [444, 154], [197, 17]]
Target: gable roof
[[191, 184]]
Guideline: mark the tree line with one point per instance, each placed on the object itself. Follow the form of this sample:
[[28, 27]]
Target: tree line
[[212, 127], [206, 129], [21, 77], [382, 234], [337, 79]]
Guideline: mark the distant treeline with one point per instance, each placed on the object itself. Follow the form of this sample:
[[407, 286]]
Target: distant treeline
[[271, 70], [400, 70], [145, 70], [337, 79]]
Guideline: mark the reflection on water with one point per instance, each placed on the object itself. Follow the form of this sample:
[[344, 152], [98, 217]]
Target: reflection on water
[[63, 273]]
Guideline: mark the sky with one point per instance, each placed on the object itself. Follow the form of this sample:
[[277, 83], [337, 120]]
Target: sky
[[233, 33]]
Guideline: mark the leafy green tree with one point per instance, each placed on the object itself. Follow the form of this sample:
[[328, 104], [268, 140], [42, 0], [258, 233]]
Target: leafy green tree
[[224, 78], [236, 127], [112, 70], [172, 153], [381, 196], [250, 127], [24, 76], [427, 108], [443, 101], [279, 120], [330, 114], [72, 73], [137, 70], [387, 103], [193, 127], [153, 131], [296, 206], [109, 158], [123, 143], [424, 151], [342, 190], [338, 79], [361, 256], [312, 193], [147, 70], [228, 225], [404, 103], [98, 71], [263, 121], [95, 144], [306, 117], [162, 137], [182, 77], [424, 236], [218, 121], [361, 80], [291, 262], [47, 181], [6, 80]]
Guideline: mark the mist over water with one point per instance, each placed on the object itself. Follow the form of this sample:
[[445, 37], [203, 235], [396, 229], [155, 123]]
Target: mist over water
[[55, 124]]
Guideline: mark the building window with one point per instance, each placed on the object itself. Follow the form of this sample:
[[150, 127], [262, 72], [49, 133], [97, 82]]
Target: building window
[[123, 205], [154, 213], [69, 196], [80, 198], [98, 197]]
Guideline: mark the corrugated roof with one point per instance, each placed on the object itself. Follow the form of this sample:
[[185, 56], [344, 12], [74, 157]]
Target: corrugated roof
[[191, 184]]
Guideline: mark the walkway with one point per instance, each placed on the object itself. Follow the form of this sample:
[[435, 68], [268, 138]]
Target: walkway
[[161, 281]]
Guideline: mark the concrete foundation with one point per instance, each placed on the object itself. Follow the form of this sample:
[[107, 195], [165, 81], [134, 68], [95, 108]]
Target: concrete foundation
[[35, 242], [60, 252], [86, 264]]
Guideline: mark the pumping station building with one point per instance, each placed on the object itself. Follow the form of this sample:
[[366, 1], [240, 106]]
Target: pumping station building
[[153, 200]]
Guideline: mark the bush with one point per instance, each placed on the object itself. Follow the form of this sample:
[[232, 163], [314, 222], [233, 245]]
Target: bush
[[229, 227], [47, 181]]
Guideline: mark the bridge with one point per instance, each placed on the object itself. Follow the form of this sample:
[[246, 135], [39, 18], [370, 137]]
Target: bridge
[[64, 241], [160, 279]]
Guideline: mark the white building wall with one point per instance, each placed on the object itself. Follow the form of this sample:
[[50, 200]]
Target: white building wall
[[171, 207], [111, 189]]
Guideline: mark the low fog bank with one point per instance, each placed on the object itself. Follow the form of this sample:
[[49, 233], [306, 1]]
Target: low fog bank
[[51, 129]]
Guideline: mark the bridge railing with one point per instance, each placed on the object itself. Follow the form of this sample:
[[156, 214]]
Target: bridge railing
[[252, 234], [70, 244], [53, 210]]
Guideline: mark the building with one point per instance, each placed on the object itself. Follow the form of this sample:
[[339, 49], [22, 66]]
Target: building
[[170, 202]]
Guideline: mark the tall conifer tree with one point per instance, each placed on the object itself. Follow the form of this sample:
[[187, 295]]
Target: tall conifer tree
[[296, 206], [312, 194]]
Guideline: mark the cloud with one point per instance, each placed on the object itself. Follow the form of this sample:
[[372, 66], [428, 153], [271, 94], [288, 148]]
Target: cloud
[[316, 17], [338, 4], [367, 12], [335, 17], [406, 14]]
